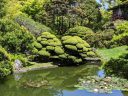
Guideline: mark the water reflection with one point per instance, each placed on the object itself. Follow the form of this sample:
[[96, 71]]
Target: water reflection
[[62, 81], [101, 73], [86, 93], [17, 77]]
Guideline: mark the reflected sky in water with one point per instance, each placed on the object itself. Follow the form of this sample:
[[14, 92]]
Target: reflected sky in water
[[86, 93]]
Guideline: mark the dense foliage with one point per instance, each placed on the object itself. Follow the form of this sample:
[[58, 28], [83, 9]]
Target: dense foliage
[[62, 15], [2, 9], [14, 37], [118, 67], [121, 35], [5, 63]]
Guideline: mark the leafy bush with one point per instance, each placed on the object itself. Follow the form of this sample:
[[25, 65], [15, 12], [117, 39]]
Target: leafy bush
[[5, 63], [101, 39], [121, 26], [118, 67], [2, 9], [120, 39], [33, 7], [80, 31], [32, 26], [121, 35], [14, 37]]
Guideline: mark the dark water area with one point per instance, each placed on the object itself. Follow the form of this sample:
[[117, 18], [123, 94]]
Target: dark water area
[[61, 82]]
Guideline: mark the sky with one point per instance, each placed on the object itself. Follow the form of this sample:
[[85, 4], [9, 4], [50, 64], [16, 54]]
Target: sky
[[106, 6], [98, 1]]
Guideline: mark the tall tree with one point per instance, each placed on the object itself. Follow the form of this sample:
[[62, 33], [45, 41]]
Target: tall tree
[[76, 12]]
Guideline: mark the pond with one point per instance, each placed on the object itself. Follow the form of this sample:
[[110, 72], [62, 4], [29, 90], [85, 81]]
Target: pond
[[60, 81]]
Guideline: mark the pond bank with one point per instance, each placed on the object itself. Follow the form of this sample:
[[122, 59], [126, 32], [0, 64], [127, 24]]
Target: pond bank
[[35, 66], [107, 54]]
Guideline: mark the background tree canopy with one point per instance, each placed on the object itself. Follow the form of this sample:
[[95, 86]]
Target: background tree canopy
[[2, 10], [62, 15]]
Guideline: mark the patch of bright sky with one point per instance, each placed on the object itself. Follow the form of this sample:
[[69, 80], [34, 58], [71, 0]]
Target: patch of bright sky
[[106, 5]]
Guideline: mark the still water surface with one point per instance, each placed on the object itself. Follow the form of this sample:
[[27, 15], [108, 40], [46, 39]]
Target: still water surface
[[61, 80]]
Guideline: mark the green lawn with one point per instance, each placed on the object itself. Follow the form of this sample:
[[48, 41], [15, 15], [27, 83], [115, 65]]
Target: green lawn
[[107, 54]]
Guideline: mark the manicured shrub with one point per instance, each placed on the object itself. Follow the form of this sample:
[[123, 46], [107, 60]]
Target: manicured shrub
[[37, 45], [91, 54], [35, 51], [59, 50], [44, 53], [78, 50], [80, 31], [48, 46], [71, 50], [63, 56]]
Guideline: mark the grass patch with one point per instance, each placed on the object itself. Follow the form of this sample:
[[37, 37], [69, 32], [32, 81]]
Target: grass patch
[[107, 54]]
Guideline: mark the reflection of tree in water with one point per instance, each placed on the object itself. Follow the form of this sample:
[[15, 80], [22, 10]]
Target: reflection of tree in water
[[125, 93], [60, 79]]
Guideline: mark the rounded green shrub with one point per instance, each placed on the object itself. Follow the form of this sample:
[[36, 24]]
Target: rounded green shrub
[[63, 56], [44, 53], [51, 46], [91, 54], [44, 42], [79, 46], [72, 57], [65, 38], [71, 40], [59, 50], [71, 47], [80, 31], [85, 49], [35, 51], [39, 39], [82, 49], [77, 61], [37, 45]]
